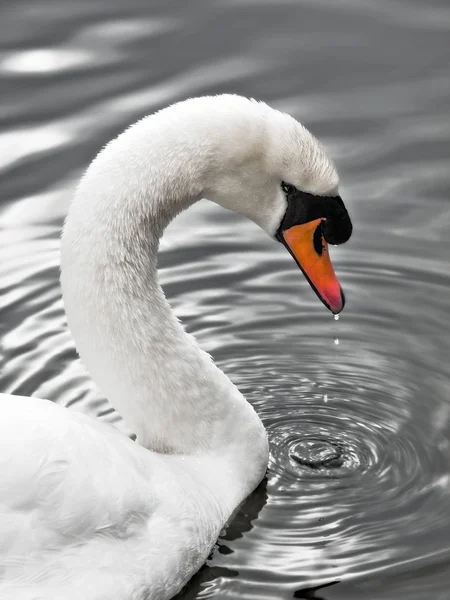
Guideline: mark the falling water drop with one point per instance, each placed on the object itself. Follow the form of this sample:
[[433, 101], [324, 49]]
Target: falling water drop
[[325, 398], [336, 341], [336, 317]]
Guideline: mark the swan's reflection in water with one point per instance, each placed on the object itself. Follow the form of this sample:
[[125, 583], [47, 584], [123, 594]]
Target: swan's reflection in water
[[310, 593]]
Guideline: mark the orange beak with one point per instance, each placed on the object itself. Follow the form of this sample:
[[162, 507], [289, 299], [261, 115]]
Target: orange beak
[[310, 250]]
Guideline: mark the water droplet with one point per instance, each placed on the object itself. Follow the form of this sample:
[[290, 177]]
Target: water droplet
[[336, 341], [325, 398], [336, 317]]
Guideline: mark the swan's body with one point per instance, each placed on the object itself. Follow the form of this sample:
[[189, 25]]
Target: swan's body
[[85, 512]]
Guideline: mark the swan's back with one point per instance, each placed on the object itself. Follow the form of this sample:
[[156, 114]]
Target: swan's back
[[85, 511]]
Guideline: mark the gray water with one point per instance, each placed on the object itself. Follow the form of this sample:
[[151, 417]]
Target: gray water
[[371, 78]]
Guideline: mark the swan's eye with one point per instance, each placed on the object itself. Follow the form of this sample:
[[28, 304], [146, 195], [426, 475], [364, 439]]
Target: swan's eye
[[288, 188]]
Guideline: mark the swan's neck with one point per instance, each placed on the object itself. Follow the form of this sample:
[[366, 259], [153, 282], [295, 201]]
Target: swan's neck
[[166, 388]]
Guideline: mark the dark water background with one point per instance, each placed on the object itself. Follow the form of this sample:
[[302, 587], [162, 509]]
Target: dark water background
[[371, 78]]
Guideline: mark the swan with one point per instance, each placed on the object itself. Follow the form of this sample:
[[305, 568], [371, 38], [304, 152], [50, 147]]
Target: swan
[[85, 512]]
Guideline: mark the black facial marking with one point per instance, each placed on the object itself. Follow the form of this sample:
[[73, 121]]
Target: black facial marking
[[303, 208]]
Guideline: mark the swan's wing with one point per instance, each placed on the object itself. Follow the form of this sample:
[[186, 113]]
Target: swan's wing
[[77, 496], [63, 475]]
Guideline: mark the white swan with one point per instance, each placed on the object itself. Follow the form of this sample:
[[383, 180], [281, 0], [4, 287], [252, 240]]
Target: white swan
[[84, 511]]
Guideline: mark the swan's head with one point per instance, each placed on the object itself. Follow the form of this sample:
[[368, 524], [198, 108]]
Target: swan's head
[[276, 172]]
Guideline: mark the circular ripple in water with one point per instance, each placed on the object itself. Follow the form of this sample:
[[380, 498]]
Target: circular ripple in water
[[359, 473]]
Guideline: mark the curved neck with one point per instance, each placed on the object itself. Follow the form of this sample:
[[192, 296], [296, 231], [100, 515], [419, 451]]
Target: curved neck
[[167, 389]]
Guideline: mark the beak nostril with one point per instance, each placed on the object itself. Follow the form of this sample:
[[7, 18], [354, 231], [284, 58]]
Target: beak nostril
[[317, 240]]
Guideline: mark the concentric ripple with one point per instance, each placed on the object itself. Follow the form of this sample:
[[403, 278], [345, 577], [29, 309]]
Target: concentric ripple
[[359, 474]]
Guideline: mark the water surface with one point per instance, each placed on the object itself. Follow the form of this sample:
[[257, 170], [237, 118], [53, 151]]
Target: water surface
[[371, 518]]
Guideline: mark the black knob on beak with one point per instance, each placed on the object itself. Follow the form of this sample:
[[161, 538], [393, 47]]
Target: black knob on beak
[[338, 227]]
